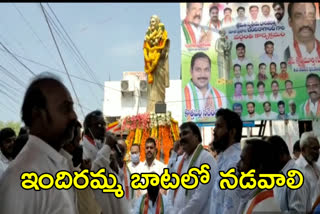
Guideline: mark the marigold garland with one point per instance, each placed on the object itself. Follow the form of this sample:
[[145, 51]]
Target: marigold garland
[[152, 55], [161, 127]]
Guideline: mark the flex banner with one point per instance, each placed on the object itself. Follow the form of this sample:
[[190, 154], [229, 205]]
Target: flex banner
[[258, 59]]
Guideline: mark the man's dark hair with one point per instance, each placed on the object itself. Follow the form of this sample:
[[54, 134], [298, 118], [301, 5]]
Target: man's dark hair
[[274, 81], [261, 64], [278, 3], [280, 145], [279, 148], [241, 8], [268, 43], [265, 5], [296, 146], [213, 7], [283, 63], [288, 81], [232, 120], [88, 119], [313, 75], [252, 6], [254, 105], [194, 128], [249, 65], [281, 103], [290, 7], [250, 83], [137, 145], [227, 8], [237, 105], [236, 65], [19, 144], [262, 156], [151, 140], [273, 63], [240, 45], [266, 102], [197, 56], [261, 83], [34, 97], [6, 133], [237, 83]]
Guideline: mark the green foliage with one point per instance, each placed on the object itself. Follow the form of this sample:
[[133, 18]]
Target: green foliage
[[11, 124]]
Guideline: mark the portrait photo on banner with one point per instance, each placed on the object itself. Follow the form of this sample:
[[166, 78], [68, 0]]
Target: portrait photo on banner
[[261, 59]]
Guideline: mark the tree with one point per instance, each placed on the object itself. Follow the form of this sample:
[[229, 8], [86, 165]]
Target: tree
[[11, 124]]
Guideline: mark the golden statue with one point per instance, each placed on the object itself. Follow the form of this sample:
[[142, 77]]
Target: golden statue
[[156, 50]]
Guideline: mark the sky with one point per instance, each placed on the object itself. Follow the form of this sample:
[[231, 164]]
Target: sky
[[108, 36]]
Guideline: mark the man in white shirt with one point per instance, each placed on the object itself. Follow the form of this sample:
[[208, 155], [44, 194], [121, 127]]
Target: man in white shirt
[[302, 20], [94, 134], [241, 18], [309, 145], [151, 164], [261, 97], [192, 31], [241, 55], [312, 105], [257, 155], [227, 137], [72, 151], [282, 111], [250, 89], [269, 56], [214, 23], [237, 73], [251, 112], [133, 165], [250, 77], [275, 95], [293, 114], [266, 17], [196, 201], [290, 200], [254, 13], [268, 114], [199, 94], [7, 138], [47, 110]]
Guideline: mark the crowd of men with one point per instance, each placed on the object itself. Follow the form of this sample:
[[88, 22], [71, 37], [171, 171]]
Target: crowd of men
[[52, 141]]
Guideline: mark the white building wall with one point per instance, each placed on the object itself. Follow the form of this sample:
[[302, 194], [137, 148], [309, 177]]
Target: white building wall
[[117, 104]]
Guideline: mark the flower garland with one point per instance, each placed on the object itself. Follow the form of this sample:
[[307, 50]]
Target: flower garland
[[152, 55], [162, 127]]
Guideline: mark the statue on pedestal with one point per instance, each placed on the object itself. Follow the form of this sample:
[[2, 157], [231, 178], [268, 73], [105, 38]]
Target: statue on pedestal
[[223, 47], [156, 50]]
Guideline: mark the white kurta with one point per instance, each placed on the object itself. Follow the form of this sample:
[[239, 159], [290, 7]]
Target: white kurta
[[224, 201], [4, 163], [197, 200], [39, 157], [299, 200], [311, 174], [107, 201], [89, 150]]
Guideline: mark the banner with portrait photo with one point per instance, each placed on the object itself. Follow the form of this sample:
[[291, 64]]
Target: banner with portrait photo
[[261, 60]]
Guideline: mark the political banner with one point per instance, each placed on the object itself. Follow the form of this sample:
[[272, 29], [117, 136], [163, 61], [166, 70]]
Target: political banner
[[261, 60]]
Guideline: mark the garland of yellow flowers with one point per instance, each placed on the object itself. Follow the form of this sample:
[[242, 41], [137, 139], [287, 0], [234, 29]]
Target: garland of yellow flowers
[[152, 55]]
